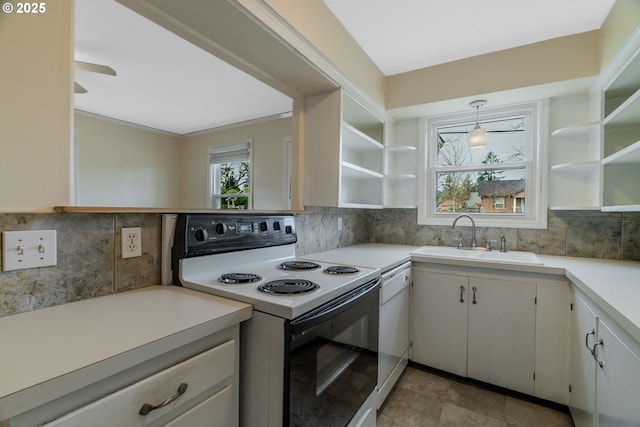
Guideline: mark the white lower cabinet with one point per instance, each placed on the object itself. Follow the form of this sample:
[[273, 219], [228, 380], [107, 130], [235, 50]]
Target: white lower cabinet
[[605, 371], [618, 400], [196, 392], [439, 320], [483, 326], [583, 368], [502, 333]]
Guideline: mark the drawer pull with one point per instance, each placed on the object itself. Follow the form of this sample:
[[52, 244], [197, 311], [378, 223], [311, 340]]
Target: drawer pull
[[594, 353], [147, 407]]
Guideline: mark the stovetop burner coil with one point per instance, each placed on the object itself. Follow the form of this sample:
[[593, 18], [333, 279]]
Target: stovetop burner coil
[[341, 269], [288, 286], [298, 265], [237, 278]]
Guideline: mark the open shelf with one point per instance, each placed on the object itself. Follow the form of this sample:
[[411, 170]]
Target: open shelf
[[403, 177], [344, 152], [359, 205], [621, 145], [574, 157], [627, 114], [629, 155], [575, 167], [574, 208], [356, 140], [401, 148], [355, 171], [621, 208], [580, 131]]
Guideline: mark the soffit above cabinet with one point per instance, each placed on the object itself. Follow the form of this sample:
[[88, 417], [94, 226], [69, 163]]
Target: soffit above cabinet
[[229, 32]]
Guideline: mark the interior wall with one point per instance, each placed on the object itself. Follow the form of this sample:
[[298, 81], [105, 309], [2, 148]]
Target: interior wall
[[268, 161], [560, 59], [36, 51], [623, 18], [124, 165], [315, 22]]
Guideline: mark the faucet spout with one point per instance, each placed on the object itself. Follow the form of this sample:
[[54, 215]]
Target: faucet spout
[[474, 243]]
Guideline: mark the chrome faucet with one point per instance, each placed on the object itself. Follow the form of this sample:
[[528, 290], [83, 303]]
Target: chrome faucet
[[503, 244], [473, 229]]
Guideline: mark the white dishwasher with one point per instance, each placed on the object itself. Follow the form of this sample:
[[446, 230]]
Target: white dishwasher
[[393, 335]]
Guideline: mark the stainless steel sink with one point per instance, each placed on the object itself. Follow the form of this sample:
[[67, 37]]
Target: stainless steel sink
[[477, 254]]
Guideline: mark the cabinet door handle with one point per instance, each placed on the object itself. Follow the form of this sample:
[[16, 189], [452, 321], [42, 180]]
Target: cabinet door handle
[[594, 353], [474, 295], [586, 341], [147, 407], [461, 293]]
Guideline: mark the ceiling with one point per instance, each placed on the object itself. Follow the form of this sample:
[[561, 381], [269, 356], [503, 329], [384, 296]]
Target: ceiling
[[166, 83], [163, 82], [405, 35]]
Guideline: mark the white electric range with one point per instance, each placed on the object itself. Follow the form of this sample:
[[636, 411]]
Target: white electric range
[[249, 275], [310, 350]]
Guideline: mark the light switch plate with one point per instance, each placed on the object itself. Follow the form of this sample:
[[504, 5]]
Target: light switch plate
[[28, 249]]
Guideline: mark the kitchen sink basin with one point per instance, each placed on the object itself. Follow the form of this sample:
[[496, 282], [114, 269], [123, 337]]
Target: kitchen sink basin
[[479, 254]]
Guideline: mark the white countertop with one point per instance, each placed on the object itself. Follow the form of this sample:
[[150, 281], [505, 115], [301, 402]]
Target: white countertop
[[613, 285], [121, 330], [77, 340], [375, 255]]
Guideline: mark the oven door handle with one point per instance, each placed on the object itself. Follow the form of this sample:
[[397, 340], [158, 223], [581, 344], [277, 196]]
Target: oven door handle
[[333, 308]]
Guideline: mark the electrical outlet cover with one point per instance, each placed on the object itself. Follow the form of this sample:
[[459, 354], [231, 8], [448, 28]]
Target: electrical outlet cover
[[131, 239]]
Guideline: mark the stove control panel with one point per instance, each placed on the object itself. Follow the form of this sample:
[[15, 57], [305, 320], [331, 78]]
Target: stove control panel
[[205, 234]]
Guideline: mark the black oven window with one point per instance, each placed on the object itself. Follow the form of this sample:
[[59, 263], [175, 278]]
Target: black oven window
[[333, 367]]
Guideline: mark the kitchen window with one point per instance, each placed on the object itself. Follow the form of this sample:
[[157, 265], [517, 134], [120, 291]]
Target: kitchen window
[[502, 184], [230, 176]]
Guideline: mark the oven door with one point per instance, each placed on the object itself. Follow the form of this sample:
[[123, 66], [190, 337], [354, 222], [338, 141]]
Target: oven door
[[333, 359]]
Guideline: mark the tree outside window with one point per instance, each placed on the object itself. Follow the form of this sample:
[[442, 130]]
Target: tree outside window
[[230, 176], [234, 179]]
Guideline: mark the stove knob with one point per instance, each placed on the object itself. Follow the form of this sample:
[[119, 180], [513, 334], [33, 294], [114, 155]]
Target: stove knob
[[201, 235], [288, 229], [220, 228], [276, 225], [263, 226]]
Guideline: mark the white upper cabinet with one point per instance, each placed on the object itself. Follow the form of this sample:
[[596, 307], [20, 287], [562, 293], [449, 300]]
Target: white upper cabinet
[[620, 99], [344, 153]]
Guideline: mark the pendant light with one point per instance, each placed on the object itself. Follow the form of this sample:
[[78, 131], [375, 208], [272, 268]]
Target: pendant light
[[478, 136]]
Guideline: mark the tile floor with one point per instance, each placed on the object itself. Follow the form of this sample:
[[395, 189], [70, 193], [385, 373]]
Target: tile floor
[[423, 398]]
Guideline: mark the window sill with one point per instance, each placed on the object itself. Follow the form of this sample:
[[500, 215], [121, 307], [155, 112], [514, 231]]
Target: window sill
[[495, 221]]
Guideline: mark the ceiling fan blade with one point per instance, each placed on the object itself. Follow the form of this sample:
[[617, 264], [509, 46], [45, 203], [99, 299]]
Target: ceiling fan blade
[[95, 68], [78, 88]]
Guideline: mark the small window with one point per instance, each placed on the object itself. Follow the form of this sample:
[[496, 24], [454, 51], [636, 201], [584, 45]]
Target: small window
[[491, 182], [230, 176]]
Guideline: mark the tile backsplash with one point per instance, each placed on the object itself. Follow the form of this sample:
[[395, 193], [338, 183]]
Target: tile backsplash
[[90, 262], [591, 234]]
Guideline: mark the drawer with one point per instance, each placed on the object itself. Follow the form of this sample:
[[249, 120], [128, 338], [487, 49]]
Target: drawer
[[202, 372], [215, 411]]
